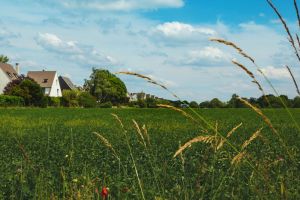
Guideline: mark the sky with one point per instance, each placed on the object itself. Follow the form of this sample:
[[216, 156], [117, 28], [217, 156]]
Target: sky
[[167, 40]]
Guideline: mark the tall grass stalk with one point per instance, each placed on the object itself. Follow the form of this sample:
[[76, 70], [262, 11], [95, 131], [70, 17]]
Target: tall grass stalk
[[131, 154]]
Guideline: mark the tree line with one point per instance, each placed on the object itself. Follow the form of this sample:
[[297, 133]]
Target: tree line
[[267, 101]]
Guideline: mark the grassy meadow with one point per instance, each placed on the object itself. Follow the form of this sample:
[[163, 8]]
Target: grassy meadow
[[55, 154]]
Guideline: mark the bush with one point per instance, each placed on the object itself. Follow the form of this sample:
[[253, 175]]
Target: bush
[[86, 100], [11, 101], [106, 105], [142, 104], [28, 89], [70, 98], [54, 101], [44, 102]]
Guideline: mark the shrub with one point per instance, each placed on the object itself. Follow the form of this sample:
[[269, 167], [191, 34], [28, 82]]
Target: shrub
[[54, 101], [70, 98], [142, 104], [28, 89], [44, 102], [86, 100], [106, 105], [11, 101]]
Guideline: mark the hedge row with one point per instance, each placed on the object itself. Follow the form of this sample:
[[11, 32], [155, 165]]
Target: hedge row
[[11, 101]]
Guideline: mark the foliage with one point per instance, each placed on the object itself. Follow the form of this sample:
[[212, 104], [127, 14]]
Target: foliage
[[106, 87], [28, 89], [70, 98], [216, 103], [4, 59], [106, 105], [86, 100], [54, 101], [52, 153], [11, 101], [268, 101], [194, 104]]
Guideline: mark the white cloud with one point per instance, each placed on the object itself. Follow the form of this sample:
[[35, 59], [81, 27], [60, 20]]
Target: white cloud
[[177, 29], [209, 54], [276, 73], [72, 50], [54, 43], [172, 33]]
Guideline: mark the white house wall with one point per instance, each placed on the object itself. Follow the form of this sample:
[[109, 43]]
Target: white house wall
[[55, 87], [4, 80]]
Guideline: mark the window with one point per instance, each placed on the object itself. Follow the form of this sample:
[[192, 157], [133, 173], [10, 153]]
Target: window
[[45, 80], [47, 90], [57, 92]]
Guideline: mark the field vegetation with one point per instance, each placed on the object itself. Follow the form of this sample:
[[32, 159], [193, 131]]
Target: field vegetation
[[70, 153]]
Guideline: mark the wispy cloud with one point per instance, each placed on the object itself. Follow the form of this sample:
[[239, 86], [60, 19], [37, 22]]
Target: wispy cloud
[[72, 50]]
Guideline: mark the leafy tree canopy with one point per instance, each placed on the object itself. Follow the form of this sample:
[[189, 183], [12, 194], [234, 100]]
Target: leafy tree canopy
[[28, 89], [106, 87], [4, 59]]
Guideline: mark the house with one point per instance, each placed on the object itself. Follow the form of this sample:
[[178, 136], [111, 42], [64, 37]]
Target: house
[[65, 83], [140, 96], [7, 74], [48, 80]]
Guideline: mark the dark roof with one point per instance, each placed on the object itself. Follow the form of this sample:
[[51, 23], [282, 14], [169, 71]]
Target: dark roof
[[9, 70], [66, 83], [43, 78]]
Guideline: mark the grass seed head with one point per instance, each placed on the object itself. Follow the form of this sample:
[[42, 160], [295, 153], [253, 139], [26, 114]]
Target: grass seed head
[[204, 139], [253, 137]]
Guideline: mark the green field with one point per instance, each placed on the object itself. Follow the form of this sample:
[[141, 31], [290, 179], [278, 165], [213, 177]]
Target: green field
[[53, 154]]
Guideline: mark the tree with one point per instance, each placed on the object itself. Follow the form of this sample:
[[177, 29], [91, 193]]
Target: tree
[[234, 102], [216, 103], [106, 87], [296, 102], [204, 104], [4, 59], [194, 104], [28, 89]]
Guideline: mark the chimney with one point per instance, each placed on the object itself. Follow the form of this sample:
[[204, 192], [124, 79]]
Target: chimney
[[18, 68]]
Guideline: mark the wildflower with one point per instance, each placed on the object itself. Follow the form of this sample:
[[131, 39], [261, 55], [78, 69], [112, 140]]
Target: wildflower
[[104, 192]]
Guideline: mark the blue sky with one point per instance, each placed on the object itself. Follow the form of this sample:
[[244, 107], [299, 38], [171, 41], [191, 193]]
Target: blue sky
[[165, 39]]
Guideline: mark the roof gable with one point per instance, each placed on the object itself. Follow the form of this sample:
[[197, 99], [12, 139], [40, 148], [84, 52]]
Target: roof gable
[[66, 83], [9, 70], [43, 78]]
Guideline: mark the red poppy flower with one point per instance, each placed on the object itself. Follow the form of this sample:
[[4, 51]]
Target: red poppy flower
[[104, 192]]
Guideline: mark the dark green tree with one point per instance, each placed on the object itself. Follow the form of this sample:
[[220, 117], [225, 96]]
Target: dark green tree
[[4, 59], [28, 89], [216, 103], [106, 87], [235, 103], [296, 102], [194, 104], [204, 104]]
